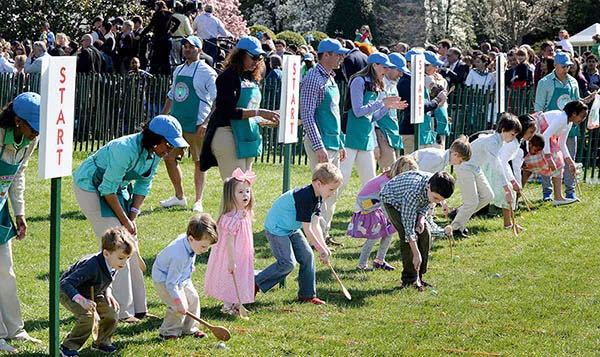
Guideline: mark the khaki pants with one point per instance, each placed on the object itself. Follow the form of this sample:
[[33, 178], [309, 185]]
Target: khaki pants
[[84, 321], [409, 143], [387, 154], [223, 147], [329, 204], [174, 323], [365, 166], [475, 192], [11, 322], [128, 284]]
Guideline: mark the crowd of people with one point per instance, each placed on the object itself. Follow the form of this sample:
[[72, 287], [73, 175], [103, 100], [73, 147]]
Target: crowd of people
[[215, 114]]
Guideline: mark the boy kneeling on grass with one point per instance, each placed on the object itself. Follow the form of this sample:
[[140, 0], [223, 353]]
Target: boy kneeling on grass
[[172, 276], [295, 209], [406, 199], [85, 290]]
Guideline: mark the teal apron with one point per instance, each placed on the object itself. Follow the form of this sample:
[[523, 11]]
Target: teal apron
[[441, 121], [560, 98], [389, 127], [327, 117], [359, 132], [7, 176], [124, 194], [186, 102], [427, 135], [247, 134]]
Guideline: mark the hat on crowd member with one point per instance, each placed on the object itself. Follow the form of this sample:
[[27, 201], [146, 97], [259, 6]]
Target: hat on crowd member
[[411, 52], [432, 59], [251, 45], [27, 107], [308, 57], [380, 58], [193, 40], [399, 61], [169, 128], [563, 59], [331, 45]]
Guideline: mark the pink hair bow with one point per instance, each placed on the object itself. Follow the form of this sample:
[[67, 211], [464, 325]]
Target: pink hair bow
[[242, 176]]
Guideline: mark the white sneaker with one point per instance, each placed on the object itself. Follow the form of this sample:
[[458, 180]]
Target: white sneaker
[[173, 201], [24, 336], [198, 207], [566, 201], [5, 347]]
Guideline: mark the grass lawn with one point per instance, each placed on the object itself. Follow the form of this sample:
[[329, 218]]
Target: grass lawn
[[537, 294]]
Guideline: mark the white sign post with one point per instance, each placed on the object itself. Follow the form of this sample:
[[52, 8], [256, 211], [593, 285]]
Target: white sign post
[[57, 116], [289, 111], [417, 93], [290, 100], [500, 97]]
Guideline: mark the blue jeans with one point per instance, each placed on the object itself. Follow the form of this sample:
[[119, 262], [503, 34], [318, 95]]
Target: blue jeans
[[567, 177], [287, 251]]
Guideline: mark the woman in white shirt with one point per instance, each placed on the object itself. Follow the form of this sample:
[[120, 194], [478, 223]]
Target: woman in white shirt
[[479, 76]]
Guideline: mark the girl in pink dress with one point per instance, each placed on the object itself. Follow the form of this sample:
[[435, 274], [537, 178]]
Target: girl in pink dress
[[231, 260], [370, 221]]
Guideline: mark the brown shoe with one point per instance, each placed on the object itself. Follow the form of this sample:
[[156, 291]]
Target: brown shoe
[[168, 337], [130, 320]]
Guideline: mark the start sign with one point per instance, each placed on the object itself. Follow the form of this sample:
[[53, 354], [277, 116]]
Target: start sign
[[290, 100], [57, 117]]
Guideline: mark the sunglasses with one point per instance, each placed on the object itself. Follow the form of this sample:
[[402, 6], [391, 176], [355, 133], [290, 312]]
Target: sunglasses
[[257, 58], [168, 145]]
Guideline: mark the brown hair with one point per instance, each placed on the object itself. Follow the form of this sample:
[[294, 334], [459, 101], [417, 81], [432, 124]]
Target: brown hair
[[118, 238], [403, 164], [508, 122], [228, 203], [235, 60], [327, 173], [203, 227], [369, 71], [462, 147]]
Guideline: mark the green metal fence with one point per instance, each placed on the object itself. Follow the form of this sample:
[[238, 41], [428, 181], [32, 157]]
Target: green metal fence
[[108, 106]]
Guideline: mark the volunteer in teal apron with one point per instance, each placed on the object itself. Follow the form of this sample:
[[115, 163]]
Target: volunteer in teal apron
[[110, 187], [19, 128], [387, 129], [368, 103], [190, 100], [321, 119], [233, 136], [561, 89], [427, 129]]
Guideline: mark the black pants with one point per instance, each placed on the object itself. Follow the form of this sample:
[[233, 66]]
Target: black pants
[[161, 51], [210, 48], [409, 274]]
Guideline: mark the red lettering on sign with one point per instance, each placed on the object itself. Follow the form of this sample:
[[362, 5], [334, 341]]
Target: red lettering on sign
[[61, 118], [59, 152], [59, 137], [62, 95], [63, 76]]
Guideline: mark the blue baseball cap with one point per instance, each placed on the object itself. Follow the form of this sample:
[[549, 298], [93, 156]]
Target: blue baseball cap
[[411, 52], [399, 61], [432, 59], [380, 58], [27, 107], [309, 57], [563, 59], [331, 45], [251, 45], [194, 40], [169, 128]]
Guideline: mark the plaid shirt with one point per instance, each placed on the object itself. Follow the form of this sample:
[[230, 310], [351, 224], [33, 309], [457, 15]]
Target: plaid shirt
[[312, 93], [537, 163], [407, 192]]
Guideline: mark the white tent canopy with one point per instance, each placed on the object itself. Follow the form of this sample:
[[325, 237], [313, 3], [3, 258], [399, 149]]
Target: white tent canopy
[[584, 38]]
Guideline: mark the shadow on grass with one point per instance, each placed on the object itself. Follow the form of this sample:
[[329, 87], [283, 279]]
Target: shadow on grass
[[73, 215]]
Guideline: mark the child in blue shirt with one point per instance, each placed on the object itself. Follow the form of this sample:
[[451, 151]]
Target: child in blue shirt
[[295, 209], [85, 288], [172, 276]]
